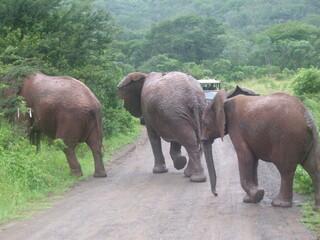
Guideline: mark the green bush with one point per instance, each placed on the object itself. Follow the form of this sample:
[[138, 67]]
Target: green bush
[[198, 71], [302, 181], [237, 76], [160, 63], [312, 102], [26, 176], [307, 81]]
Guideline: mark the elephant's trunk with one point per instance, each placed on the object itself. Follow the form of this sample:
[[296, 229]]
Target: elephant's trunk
[[207, 147]]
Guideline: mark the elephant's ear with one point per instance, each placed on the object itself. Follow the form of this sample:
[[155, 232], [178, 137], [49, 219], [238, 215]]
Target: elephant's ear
[[218, 110], [129, 89], [241, 90]]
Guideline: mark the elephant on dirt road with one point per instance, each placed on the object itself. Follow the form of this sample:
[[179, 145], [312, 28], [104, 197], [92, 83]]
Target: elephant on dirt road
[[275, 128], [171, 105], [63, 107]]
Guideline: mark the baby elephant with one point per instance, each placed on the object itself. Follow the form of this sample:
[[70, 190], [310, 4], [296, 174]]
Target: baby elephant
[[276, 128]]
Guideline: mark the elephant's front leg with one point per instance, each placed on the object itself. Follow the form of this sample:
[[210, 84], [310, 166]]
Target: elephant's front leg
[[248, 165], [159, 161], [73, 162], [179, 161]]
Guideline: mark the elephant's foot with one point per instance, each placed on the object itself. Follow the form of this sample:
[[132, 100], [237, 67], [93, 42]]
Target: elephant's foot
[[254, 197], [198, 177], [160, 168], [76, 172], [180, 162], [100, 174], [187, 172], [281, 202]]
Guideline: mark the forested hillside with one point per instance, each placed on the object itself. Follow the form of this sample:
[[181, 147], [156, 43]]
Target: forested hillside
[[242, 16], [231, 40]]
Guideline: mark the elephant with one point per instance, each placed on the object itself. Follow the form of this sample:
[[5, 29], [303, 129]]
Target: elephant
[[63, 107], [275, 128], [171, 105]]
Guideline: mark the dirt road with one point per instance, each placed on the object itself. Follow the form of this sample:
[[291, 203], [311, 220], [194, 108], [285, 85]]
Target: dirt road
[[132, 203]]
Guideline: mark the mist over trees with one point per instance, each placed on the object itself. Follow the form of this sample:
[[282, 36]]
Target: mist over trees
[[244, 38]]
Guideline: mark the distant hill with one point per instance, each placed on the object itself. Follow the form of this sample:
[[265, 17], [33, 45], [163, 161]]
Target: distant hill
[[243, 17]]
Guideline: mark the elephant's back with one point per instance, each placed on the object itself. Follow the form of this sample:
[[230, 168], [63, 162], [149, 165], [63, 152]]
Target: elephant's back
[[273, 104], [62, 102], [175, 99], [62, 91], [172, 89], [278, 120]]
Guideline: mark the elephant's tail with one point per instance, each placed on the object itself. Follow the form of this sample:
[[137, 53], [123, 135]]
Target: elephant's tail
[[313, 129], [99, 126], [96, 129]]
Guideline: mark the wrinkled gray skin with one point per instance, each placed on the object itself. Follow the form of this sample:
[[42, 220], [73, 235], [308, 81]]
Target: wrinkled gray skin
[[171, 105], [275, 128], [63, 107]]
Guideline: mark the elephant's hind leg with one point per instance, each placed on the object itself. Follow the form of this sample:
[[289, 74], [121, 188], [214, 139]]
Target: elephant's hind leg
[[95, 144], [194, 168], [159, 161], [179, 161], [74, 165], [312, 166], [284, 198]]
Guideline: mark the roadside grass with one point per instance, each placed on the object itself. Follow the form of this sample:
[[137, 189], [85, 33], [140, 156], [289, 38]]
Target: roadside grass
[[30, 182], [302, 181], [265, 85], [311, 218]]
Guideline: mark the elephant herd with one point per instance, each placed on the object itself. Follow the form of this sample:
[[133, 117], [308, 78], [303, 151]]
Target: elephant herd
[[275, 128]]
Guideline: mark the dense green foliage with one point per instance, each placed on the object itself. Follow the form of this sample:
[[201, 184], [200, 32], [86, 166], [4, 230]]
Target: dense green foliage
[[26, 177], [244, 39], [307, 81], [306, 86], [63, 38]]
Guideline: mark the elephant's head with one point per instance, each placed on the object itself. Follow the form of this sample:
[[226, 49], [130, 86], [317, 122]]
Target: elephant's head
[[241, 90], [214, 118], [213, 126], [129, 89]]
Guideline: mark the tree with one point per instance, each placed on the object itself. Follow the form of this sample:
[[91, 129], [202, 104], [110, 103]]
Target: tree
[[307, 81], [62, 33], [188, 38], [24, 15], [160, 63], [64, 38]]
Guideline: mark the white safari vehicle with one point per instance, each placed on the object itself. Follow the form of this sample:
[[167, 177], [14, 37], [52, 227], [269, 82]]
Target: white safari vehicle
[[210, 88]]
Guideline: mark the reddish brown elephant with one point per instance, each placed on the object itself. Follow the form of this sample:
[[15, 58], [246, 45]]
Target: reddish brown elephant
[[63, 107], [275, 128]]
